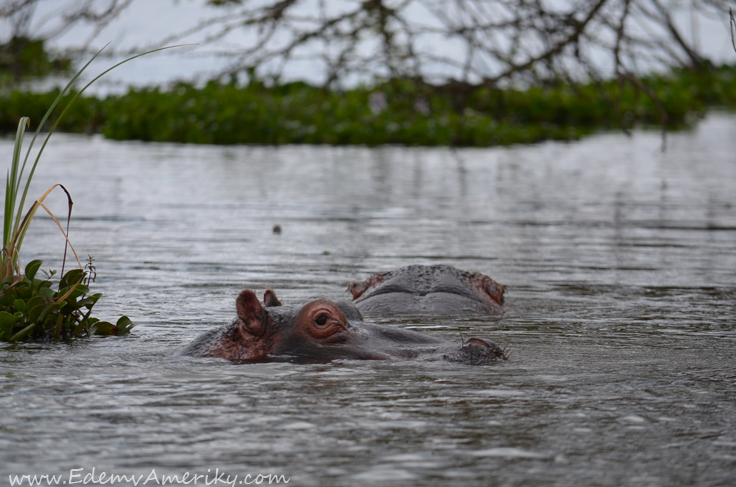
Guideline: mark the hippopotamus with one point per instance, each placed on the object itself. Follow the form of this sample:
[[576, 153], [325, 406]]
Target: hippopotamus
[[435, 289], [322, 331]]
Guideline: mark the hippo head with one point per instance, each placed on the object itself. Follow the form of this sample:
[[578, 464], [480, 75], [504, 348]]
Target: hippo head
[[436, 289], [323, 330], [276, 330]]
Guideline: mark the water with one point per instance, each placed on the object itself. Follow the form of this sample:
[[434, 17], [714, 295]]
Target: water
[[620, 263]]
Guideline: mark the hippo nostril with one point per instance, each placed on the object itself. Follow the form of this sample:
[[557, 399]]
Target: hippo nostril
[[477, 350]]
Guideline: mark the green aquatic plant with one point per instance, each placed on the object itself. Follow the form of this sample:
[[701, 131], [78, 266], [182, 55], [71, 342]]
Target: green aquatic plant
[[29, 306]]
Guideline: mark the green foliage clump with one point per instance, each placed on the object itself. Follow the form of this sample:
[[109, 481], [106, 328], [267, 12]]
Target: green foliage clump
[[399, 111], [30, 308], [297, 113], [84, 116]]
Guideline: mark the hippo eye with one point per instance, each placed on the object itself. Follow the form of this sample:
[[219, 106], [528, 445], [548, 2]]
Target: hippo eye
[[323, 320]]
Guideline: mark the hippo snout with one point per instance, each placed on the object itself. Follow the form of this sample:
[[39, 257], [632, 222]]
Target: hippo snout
[[476, 351]]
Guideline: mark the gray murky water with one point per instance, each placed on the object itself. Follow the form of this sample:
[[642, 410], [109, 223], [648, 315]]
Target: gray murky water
[[620, 263]]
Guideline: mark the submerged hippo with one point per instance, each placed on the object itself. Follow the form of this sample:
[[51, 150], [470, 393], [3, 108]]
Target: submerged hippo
[[323, 330], [428, 289]]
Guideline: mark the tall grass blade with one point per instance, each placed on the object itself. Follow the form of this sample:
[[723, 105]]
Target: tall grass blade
[[58, 120], [19, 236], [12, 178], [35, 136]]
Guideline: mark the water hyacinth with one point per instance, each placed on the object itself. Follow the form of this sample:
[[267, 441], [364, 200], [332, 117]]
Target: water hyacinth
[[29, 307], [407, 113]]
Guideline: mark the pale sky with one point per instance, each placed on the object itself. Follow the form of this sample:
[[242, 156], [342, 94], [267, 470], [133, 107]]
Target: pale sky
[[146, 22]]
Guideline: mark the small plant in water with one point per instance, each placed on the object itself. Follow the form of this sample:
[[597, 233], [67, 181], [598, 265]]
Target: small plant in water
[[32, 308], [29, 306]]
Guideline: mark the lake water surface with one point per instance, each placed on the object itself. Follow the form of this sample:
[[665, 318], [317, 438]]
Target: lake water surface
[[620, 264]]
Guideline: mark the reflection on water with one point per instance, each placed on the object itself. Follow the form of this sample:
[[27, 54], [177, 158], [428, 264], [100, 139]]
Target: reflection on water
[[620, 263]]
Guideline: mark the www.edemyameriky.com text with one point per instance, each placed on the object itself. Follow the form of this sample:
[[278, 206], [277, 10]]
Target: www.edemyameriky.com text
[[81, 476]]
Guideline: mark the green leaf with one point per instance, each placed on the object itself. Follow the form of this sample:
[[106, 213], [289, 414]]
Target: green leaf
[[58, 325], [23, 333], [20, 305], [124, 325], [47, 292], [102, 328], [32, 267], [78, 328], [78, 291], [36, 301], [38, 284], [6, 322], [86, 302], [83, 323], [6, 300], [24, 292], [70, 278], [69, 308], [38, 313]]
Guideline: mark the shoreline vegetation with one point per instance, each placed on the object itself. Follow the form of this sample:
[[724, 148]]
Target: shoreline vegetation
[[401, 112]]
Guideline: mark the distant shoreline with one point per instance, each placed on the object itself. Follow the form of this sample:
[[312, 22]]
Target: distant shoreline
[[395, 112]]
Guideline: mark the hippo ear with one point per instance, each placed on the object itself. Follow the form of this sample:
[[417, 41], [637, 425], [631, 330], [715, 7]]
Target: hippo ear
[[270, 299], [251, 313], [358, 288], [494, 290]]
